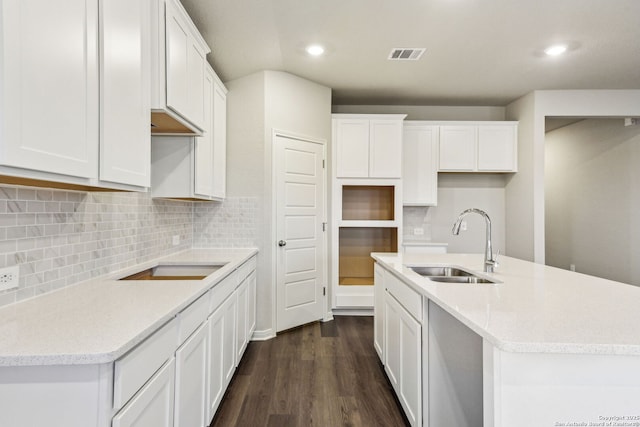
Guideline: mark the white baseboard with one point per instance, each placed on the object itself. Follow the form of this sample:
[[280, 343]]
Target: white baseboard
[[328, 317], [263, 335]]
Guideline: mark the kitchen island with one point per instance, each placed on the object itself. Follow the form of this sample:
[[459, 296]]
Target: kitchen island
[[543, 347], [112, 352]]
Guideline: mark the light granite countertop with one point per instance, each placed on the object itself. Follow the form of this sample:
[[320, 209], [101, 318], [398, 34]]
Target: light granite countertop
[[99, 320], [536, 308]]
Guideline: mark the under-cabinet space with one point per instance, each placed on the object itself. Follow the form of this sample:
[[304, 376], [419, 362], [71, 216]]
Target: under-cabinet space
[[355, 265], [368, 202]]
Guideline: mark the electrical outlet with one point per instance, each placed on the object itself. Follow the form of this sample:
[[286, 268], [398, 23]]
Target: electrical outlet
[[572, 267], [176, 240], [418, 231], [9, 277]]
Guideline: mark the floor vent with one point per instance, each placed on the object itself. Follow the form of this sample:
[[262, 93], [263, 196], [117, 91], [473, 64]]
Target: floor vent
[[406, 53]]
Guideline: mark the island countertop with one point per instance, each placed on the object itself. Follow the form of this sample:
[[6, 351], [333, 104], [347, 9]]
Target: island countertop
[[99, 320], [535, 308]]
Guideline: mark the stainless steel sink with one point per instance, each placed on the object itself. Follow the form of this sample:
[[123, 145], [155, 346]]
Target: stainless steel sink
[[445, 274], [175, 272], [461, 279], [431, 271]]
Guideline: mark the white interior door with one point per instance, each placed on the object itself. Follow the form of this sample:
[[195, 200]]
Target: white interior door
[[300, 239]]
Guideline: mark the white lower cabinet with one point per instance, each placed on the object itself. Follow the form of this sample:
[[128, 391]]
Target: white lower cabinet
[[251, 315], [378, 311], [175, 377], [241, 330], [222, 350], [392, 340], [153, 405], [191, 380], [402, 342]]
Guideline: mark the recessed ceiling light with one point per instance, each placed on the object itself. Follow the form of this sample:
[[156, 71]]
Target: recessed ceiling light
[[315, 50], [556, 50]]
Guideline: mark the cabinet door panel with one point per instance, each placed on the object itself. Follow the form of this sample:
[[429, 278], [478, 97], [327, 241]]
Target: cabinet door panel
[[229, 341], [177, 45], [216, 344], [420, 165], [378, 311], [352, 145], [125, 150], [191, 368], [243, 306], [458, 148], [497, 148], [385, 149], [49, 106], [410, 393], [392, 340], [219, 141], [195, 84], [153, 405], [204, 144], [251, 296]]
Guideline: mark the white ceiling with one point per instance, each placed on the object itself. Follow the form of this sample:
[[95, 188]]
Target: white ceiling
[[479, 52]]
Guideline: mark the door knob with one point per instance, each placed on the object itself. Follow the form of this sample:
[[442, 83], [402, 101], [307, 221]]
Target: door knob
[[282, 243]]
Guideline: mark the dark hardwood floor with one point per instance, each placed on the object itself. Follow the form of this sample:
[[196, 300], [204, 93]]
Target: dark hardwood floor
[[322, 374]]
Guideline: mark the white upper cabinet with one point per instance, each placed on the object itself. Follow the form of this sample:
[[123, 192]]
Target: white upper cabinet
[[219, 140], [204, 144], [49, 86], [385, 148], [351, 139], [124, 92], [75, 93], [194, 167], [497, 148], [420, 164], [479, 147], [178, 62], [368, 146], [458, 150]]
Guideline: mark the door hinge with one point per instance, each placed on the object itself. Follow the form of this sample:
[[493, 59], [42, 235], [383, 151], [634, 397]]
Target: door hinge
[[324, 290], [323, 164], [324, 226]]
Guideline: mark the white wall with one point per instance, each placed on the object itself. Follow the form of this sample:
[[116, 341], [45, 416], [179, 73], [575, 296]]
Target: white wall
[[519, 189], [592, 199], [525, 192], [257, 105]]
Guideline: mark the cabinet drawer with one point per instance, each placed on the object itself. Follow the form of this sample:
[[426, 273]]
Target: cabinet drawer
[[222, 290], [410, 299], [191, 317], [135, 368]]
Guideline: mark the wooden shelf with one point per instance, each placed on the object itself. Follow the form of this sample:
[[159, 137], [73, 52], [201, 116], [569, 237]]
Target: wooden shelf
[[355, 281], [368, 202], [355, 265]]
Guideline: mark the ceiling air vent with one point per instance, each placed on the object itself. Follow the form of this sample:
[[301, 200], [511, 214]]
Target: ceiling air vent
[[406, 53]]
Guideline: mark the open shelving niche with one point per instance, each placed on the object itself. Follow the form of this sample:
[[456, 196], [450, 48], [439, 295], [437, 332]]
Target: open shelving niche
[[367, 218]]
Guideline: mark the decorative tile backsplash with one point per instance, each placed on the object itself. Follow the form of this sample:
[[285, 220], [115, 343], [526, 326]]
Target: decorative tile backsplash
[[59, 238], [234, 223]]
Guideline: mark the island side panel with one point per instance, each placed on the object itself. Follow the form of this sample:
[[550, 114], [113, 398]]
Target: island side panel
[[65, 395], [551, 389]]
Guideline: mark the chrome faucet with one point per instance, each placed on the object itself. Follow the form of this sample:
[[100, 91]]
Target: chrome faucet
[[489, 261]]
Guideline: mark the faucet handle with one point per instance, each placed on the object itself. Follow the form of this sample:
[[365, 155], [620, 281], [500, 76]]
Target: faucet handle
[[496, 264]]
